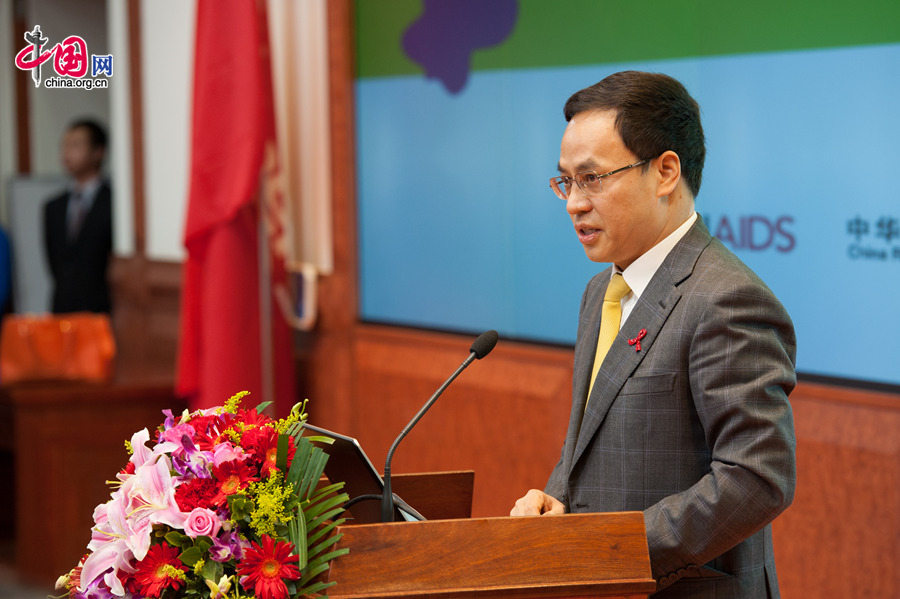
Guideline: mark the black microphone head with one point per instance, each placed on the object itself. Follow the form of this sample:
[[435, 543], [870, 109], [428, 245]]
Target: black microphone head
[[484, 344]]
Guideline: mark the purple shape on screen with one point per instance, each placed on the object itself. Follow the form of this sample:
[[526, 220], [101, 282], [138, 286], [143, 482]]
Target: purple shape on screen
[[443, 38]]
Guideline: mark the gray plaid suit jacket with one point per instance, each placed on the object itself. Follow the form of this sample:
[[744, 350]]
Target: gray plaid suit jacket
[[695, 429]]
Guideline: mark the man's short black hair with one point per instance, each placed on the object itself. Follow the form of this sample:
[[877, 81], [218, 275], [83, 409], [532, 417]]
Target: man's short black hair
[[655, 113], [96, 132]]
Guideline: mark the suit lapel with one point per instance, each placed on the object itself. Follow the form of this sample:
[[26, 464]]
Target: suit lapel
[[650, 313], [585, 347], [93, 216]]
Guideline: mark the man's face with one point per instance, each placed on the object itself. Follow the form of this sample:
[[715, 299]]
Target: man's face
[[628, 216], [79, 158]]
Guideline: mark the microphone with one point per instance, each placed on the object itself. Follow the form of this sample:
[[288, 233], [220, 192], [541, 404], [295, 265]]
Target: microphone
[[481, 347]]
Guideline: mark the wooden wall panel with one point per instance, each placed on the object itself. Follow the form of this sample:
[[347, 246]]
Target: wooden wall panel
[[69, 439], [841, 536], [505, 416]]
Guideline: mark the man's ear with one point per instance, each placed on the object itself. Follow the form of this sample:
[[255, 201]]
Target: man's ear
[[668, 172]]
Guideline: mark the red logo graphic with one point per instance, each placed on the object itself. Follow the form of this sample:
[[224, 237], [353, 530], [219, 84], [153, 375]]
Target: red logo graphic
[[70, 59]]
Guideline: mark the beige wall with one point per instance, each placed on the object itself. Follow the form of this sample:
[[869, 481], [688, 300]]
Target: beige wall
[[167, 49]]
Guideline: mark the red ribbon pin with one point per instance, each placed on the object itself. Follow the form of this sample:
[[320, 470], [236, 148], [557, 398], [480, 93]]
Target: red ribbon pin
[[636, 342]]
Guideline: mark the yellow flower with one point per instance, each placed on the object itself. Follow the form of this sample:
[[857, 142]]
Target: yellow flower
[[234, 402], [218, 590], [171, 571], [270, 504], [298, 414]]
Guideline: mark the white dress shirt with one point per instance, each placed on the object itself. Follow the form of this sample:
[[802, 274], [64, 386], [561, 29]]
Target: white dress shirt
[[639, 272]]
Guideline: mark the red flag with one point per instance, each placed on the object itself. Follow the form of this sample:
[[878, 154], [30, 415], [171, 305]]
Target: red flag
[[225, 335]]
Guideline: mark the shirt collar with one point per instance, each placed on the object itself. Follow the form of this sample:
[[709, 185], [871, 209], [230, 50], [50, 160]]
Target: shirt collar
[[639, 272], [89, 187], [87, 191]]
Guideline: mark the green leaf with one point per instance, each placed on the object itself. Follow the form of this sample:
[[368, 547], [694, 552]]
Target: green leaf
[[190, 556], [320, 439], [322, 492], [240, 506], [303, 542], [327, 503], [281, 456], [298, 465], [324, 530], [312, 529], [316, 587], [263, 406], [314, 470], [326, 516], [176, 539], [315, 551], [320, 564], [212, 570]]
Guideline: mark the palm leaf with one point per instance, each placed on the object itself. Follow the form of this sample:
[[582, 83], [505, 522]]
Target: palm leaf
[[299, 465], [313, 552], [314, 469], [318, 521], [321, 564], [314, 508], [297, 531], [312, 530], [316, 587], [311, 539]]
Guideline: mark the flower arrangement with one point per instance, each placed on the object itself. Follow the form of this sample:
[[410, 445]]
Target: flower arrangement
[[224, 505]]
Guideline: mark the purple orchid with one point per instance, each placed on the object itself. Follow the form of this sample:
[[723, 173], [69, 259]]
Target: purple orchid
[[226, 547]]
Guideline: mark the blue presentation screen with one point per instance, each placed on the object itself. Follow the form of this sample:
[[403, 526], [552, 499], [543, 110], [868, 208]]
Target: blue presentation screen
[[460, 231]]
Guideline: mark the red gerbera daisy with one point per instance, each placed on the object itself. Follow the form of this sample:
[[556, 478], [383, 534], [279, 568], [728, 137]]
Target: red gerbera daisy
[[231, 477], [209, 430], [262, 445], [252, 418], [267, 566], [159, 570]]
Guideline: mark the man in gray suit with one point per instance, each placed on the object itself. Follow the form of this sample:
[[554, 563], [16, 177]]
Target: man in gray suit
[[683, 411]]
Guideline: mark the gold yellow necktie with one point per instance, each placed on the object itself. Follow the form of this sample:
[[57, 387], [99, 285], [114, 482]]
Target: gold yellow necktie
[[610, 319]]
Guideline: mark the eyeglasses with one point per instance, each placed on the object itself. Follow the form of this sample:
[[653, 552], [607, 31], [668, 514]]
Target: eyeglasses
[[588, 181]]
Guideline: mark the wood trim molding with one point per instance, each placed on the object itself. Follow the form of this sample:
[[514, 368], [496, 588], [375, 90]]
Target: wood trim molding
[[325, 362], [846, 395], [23, 106], [343, 284], [135, 86]]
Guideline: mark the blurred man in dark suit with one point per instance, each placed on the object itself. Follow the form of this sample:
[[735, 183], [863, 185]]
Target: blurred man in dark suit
[[78, 224]]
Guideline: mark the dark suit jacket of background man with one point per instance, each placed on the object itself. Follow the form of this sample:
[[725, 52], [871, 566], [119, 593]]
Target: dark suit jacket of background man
[[695, 429], [79, 266]]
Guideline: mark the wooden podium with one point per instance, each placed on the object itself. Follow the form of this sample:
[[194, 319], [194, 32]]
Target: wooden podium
[[572, 556]]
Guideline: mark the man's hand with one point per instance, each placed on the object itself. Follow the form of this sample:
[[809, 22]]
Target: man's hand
[[537, 503]]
